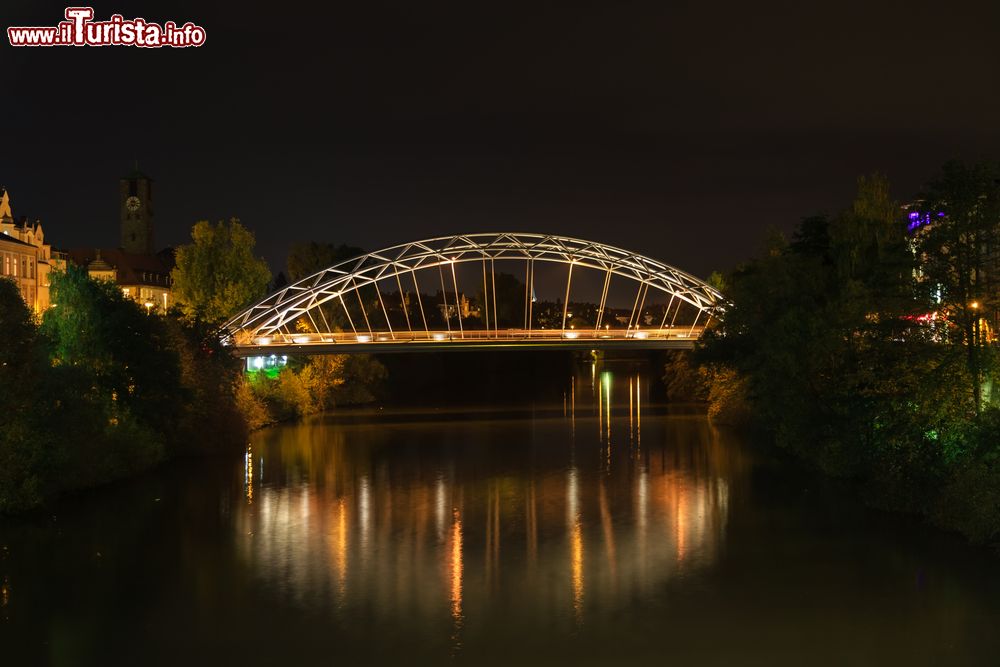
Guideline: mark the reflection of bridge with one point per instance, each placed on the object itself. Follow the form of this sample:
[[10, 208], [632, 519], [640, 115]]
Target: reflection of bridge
[[376, 302]]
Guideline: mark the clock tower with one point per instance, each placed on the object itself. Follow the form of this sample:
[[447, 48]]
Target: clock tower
[[136, 205]]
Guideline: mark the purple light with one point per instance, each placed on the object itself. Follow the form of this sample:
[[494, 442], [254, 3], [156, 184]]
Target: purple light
[[918, 220]]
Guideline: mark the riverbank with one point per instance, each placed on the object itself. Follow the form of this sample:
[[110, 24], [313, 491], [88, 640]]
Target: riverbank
[[307, 386], [961, 495], [100, 390], [860, 346]]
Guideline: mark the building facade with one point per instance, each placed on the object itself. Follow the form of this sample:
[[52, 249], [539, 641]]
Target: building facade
[[143, 278], [26, 258]]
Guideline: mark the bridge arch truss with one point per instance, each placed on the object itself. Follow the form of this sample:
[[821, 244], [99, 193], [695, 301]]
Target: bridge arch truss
[[294, 317]]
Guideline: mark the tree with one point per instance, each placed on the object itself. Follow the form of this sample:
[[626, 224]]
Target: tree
[[115, 365], [960, 213], [506, 293], [103, 389], [305, 259], [217, 274], [24, 439], [211, 418], [815, 328]]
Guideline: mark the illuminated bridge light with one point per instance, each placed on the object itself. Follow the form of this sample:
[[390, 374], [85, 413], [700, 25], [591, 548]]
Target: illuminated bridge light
[[378, 297]]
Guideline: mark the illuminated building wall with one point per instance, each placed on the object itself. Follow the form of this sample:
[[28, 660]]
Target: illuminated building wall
[[26, 258]]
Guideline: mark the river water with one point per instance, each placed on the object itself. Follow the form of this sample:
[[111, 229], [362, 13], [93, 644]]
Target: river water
[[589, 526]]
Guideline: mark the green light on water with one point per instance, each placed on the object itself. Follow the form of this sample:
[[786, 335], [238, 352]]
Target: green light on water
[[606, 386]]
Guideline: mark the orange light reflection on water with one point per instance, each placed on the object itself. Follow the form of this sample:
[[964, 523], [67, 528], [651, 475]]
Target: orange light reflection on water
[[456, 578], [608, 535]]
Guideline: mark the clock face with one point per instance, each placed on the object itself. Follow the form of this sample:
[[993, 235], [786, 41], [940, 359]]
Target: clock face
[[132, 204]]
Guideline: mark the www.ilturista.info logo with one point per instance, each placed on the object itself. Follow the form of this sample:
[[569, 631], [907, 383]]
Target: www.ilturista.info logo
[[79, 29]]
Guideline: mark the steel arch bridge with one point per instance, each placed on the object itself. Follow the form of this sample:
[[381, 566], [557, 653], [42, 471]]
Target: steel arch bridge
[[374, 303]]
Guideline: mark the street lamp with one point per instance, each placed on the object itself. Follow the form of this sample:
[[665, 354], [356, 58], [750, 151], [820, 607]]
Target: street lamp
[[148, 304]]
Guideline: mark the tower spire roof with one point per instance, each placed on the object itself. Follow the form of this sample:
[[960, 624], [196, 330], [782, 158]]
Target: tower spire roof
[[135, 174]]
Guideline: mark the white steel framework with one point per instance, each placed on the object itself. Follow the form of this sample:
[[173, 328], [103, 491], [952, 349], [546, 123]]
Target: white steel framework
[[293, 314]]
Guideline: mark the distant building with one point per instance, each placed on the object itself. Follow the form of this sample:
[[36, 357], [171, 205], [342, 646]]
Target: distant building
[[144, 278], [143, 275], [25, 257], [455, 306]]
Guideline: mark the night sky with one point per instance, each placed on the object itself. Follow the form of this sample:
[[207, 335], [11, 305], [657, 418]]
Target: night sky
[[678, 130]]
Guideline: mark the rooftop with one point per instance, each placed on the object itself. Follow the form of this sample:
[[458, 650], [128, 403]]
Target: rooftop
[[10, 239]]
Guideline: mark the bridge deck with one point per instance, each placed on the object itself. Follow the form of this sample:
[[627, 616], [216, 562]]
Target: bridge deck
[[439, 341]]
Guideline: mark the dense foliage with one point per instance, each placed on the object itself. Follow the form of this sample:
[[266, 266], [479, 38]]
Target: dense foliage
[[851, 346], [305, 259], [309, 385], [102, 389], [312, 384], [218, 273]]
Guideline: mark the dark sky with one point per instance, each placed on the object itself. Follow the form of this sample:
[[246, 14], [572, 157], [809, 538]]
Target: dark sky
[[678, 130]]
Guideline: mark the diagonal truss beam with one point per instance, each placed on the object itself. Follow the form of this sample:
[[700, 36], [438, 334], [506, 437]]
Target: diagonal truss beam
[[278, 311]]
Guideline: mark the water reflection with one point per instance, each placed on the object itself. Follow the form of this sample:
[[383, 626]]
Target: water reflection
[[456, 578], [590, 530], [363, 515]]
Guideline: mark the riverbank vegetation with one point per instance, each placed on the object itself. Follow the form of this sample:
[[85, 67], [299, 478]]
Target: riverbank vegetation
[[100, 388], [308, 386], [863, 345], [218, 273]]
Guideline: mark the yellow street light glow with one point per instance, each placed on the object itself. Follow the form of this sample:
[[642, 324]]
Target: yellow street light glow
[[362, 338], [974, 305]]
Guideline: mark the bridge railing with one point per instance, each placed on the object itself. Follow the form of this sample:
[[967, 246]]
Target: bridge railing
[[506, 335]]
